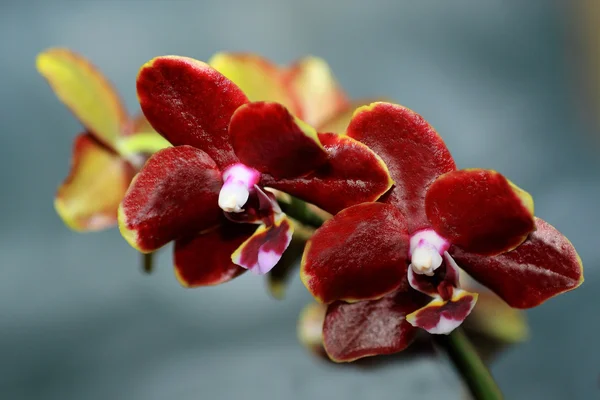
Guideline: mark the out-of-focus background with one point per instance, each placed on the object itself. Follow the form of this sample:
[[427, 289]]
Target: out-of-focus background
[[510, 85]]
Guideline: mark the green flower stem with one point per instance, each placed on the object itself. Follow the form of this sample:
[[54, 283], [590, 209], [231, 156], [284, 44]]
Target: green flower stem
[[298, 210], [469, 365]]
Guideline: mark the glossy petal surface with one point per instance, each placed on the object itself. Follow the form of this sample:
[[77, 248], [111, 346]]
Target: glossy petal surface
[[316, 90], [442, 317], [545, 265], [190, 103], [353, 174], [367, 328], [480, 211], [205, 259], [267, 137], [360, 254], [89, 198], [87, 93], [174, 196], [413, 151], [259, 79], [263, 250]]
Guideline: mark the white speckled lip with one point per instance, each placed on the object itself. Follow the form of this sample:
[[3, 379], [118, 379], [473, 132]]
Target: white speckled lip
[[238, 181], [426, 249]]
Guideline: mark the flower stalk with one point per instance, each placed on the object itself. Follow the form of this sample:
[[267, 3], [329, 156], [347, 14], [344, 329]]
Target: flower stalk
[[469, 365]]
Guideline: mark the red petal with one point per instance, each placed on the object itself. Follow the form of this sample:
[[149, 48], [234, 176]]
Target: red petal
[[190, 103], [413, 151], [480, 211], [545, 265], [353, 174], [360, 254], [368, 328], [205, 259], [442, 317], [174, 195], [267, 137], [261, 252]]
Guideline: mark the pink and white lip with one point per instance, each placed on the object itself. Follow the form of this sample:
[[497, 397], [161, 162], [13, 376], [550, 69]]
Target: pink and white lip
[[238, 180]]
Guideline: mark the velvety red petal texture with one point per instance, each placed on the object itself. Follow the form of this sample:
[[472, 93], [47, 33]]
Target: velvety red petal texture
[[360, 254], [263, 250], [545, 265], [480, 211], [175, 195], [442, 317], [413, 151], [352, 175], [367, 328], [190, 103], [267, 137], [205, 259]]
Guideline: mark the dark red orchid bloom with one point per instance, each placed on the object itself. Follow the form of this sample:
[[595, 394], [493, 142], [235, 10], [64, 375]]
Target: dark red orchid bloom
[[206, 193], [391, 267]]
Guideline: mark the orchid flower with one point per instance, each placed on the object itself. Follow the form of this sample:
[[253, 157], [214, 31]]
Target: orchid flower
[[390, 267], [207, 193]]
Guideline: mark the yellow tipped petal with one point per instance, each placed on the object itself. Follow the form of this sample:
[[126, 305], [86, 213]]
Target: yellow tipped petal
[[141, 143], [258, 78], [310, 327], [87, 93], [525, 197], [339, 121], [263, 250], [316, 90], [88, 200]]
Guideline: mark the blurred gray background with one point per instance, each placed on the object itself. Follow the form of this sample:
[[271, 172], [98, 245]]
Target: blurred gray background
[[79, 321]]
